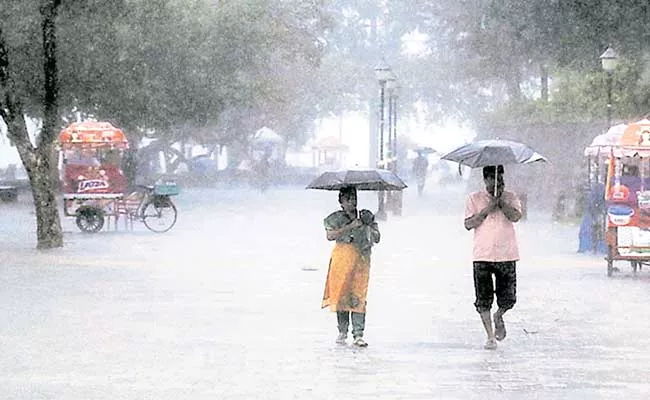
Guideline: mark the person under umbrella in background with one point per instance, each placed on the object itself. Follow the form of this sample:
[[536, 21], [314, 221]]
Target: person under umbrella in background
[[491, 213], [346, 286]]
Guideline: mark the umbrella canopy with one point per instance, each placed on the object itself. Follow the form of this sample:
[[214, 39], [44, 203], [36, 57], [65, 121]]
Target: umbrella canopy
[[361, 179], [482, 153], [602, 144], [267, 135], [425, 150]]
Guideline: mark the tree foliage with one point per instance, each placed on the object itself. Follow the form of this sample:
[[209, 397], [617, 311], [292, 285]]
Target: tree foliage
[[150, 65], [490, 53]]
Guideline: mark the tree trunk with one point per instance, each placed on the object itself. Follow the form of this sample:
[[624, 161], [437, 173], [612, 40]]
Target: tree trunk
[[48, 223], [38, 164], [37, 161], [513, 87], [544, 82]]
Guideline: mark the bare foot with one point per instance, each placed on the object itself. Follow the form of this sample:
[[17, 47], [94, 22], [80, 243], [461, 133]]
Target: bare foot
[[491, 344], [499, 327]]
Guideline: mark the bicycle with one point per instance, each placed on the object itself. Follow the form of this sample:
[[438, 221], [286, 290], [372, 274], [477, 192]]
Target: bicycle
[[151, 205]]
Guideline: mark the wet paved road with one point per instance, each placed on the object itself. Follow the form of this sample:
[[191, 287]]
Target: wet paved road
[[226, 306]]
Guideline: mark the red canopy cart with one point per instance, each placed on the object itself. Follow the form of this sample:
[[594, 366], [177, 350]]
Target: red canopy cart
[[627, 196], [92, 179]]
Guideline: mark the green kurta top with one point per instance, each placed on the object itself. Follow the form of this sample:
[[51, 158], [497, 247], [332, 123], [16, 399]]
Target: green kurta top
[[361, 236]]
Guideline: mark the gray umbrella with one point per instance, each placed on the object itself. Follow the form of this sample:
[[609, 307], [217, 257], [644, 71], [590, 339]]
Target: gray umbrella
[[482, 153], [425, 150], [362, 179]]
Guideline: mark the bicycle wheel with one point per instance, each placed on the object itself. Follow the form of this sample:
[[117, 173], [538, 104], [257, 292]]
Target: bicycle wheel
[[159, 215]]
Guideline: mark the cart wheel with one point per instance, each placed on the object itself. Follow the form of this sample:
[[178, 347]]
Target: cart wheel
[[90, 219], [159, 215]]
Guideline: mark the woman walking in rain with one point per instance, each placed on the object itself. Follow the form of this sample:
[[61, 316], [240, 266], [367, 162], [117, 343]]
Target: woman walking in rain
[[349, 269]]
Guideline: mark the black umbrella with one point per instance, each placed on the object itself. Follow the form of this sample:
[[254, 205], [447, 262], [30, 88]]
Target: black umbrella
[[361, 179], [482, 153]]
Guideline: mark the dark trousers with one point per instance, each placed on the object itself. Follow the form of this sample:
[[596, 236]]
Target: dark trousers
[[505, 278], [358, 322]]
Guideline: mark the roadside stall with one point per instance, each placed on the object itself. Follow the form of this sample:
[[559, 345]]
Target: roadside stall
[[627, 197], [598, 152], [91, 176], [592, 205]]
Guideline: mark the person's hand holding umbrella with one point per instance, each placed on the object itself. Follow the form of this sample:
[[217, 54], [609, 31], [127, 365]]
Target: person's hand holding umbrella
[[511, 212], [334, 234], [477, 219]]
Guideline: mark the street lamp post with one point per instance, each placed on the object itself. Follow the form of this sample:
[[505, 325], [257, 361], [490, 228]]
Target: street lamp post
[[609, 60], [383, 74], [394, 197], [393, 88], [391, 84]]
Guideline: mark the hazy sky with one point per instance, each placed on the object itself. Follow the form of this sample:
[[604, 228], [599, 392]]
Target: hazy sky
[[353, 130]]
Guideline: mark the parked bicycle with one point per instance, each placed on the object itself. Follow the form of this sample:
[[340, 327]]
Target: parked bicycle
[[152, 205]]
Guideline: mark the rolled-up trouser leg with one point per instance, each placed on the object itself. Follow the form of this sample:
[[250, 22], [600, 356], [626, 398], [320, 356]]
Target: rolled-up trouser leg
[[505, 275], [483, 286]]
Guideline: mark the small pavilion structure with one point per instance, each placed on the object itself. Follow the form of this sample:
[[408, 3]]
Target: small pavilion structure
[[329, 153]]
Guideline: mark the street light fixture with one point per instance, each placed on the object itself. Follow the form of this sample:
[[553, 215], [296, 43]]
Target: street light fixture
[[609, 61], [383, 71]]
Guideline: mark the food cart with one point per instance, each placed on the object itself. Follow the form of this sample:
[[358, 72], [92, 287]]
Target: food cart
[[91, 176], [627, 196]]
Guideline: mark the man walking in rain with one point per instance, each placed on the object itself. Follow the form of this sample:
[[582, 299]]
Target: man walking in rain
[[492, 213]]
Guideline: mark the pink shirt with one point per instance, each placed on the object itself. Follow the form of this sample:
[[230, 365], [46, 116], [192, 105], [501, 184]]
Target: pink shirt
[[494, 239]]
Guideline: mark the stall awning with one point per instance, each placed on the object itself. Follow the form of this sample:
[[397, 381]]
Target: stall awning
[[92, 134]]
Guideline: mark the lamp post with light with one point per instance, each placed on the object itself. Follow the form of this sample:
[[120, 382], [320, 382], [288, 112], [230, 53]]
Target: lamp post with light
[[609, 61], [394, 197]]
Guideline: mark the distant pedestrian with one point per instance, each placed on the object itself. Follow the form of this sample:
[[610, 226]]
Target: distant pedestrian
[[420, 170], [349, 268], [592, 225], [262, 170], [492, 213], [129, 168]]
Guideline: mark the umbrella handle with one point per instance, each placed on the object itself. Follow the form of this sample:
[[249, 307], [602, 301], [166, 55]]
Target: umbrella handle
[[460, 169]]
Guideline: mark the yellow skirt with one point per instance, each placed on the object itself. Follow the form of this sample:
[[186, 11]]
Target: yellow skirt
[[347, 279]]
